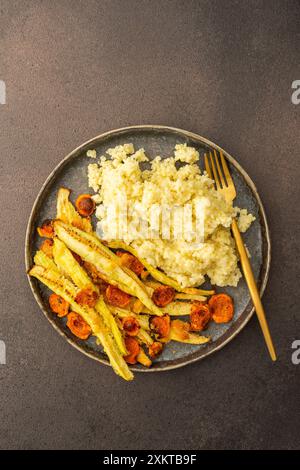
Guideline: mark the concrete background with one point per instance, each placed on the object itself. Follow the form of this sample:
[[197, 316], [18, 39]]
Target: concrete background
[[74, 69]]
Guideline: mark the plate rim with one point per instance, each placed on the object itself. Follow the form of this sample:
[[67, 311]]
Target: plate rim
[[264, 223]]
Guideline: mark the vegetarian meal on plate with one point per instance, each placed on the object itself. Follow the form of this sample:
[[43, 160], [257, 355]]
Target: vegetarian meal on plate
[[134, 293]]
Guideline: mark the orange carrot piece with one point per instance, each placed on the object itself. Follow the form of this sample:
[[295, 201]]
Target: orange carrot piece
[[163, 295], [155, 349], [58, 305], [130, 326], [161, 325], [46, 230], [221, 307], [87, 297], [133, 349], [200, 316], [85, 205], [78, 326], [131, 262], [117, 297]]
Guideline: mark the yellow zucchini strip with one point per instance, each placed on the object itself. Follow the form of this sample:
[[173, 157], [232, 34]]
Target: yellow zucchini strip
[[68, 264], [174, 309], [144, 337], [94, 239], [188, 293], [143, 358], [41, 259], [88, 249], [179, 331], [150, 284], [110, 321], [143, 320], [196, 291], [133, 276], [156, 273], [182, 296], [191, 339], [66, 212], [64, 259], [113, 282], [123, 313], [66, 289]]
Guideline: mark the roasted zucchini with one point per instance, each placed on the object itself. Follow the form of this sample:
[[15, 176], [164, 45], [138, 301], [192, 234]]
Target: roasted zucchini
[[179, 331], [174, 309], [87, 247], [66, 289], [67, 263], [111, 323], [41, 259], [66, 212]]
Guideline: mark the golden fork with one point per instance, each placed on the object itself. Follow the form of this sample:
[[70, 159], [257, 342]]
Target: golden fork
[[225, 185]]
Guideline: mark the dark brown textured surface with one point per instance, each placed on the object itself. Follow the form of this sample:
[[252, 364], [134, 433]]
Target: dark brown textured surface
[[223, 69]]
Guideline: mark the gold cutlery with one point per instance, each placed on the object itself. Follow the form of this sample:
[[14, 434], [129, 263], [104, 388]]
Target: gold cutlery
[[225, 185]]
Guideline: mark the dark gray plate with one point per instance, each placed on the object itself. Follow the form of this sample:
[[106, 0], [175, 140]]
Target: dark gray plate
[[157, 140]]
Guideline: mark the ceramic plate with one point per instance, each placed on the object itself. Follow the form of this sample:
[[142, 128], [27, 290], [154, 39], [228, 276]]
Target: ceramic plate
[[156, 140]]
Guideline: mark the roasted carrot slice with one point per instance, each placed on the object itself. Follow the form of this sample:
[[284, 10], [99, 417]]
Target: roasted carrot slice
[[116, 296], [131, 262], [46, 230], [47, 247], [78, 326], [200, 316], [87, 297], [85, 205], [130, 325], [126, 258], [221, 307], [137, 267], [155, 349], [161, 325], [133, 349], [163, 295], [58, 305]]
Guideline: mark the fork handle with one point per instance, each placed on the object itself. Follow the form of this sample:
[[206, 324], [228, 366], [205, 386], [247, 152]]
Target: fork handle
[[248, 273]]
